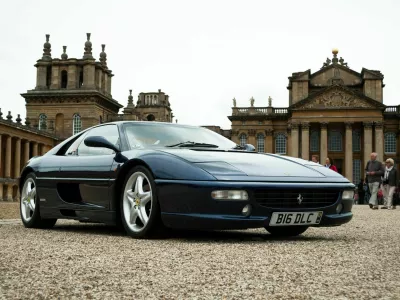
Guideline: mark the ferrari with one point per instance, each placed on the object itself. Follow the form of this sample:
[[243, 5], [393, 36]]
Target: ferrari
[[148, 177]]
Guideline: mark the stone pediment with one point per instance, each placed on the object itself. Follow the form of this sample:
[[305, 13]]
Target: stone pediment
[[335, 74], [337, 97]]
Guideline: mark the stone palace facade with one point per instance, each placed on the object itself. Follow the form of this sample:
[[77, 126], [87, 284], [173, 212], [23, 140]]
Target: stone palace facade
[[334, 112]]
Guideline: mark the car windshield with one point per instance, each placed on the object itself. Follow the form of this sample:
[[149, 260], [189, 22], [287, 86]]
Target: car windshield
[[174, 136]]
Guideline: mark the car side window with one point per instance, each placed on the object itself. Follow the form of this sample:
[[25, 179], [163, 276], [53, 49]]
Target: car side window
[[109, 132]]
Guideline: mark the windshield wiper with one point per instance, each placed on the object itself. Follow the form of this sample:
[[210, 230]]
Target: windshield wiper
[[193, 144]]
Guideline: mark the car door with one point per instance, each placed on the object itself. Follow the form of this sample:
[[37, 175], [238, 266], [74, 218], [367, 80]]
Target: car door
[[85, 172]]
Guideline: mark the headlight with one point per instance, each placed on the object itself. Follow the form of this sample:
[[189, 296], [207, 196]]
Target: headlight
[[348, 195], [229, 195]]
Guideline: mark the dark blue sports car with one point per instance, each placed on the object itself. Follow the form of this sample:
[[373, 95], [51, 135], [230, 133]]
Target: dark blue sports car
[[148, 176]]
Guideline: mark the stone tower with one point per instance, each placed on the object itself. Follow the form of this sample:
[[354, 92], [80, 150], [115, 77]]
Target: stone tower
[[71, 94], [154, 107]]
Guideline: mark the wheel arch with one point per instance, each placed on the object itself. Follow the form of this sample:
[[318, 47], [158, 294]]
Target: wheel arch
[[24, 173]]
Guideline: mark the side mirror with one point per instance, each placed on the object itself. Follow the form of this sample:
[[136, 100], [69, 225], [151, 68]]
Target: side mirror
[[250, 148], [100, 142]]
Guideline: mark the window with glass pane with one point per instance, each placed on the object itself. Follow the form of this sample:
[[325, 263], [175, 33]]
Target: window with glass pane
[[243, 139], [77, 124], [314, 141], [390, 142], [280, 144], [356, 141], [356, 171], [335, 141], [42, 121], [260, 143]]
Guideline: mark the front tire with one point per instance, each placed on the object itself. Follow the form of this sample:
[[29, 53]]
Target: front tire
[[30, 206], [140, 210], [286, 231]]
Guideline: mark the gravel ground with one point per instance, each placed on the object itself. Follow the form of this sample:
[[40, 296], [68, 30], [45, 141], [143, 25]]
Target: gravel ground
[[359, 260], [9, 210]]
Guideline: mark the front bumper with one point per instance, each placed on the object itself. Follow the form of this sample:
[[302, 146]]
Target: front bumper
[[188, 205]]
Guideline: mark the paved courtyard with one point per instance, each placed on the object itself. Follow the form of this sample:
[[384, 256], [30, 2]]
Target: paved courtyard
[[360, 260]]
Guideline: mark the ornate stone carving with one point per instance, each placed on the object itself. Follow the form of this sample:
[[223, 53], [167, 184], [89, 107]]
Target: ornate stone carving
[[252, 102], [348, 125], [252, 132], [294, 125], [269, 132], [305, 125], [368, 125], [280, 133], [378, 125], [324, 125], [337, 98], [234, 102]]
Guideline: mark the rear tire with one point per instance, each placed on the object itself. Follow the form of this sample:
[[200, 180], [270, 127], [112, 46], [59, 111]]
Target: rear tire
[[286, 231], [30, 205], [139, 206]]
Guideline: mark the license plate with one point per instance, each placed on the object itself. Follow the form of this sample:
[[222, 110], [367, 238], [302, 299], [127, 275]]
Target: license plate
[[295, 218]]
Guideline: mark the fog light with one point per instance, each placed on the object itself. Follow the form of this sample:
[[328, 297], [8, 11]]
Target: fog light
[[230, 195], [246, 211], [339, 208]]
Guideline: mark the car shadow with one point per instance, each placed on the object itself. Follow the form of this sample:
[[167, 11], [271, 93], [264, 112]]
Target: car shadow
[[194, 236]]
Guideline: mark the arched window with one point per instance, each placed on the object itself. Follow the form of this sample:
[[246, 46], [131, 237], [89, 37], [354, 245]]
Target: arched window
[[390, 142], [48, 76], [260, 143], [80, 79], [314, 141], [243, 139], [151, 117], [335, 141], [76, 124], [64, 79], [356, 141], [42, 122], [280, 144]]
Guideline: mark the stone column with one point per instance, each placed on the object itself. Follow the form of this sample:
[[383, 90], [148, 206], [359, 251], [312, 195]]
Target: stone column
[[235, 137], [252, 138], [305, 141], [1, 155], [324, 142], [1, 192], [89, 76], [379, 140], [35, 149], [269, 141], [367, 143], [41, 77], [72, 76], [7, 171], [295, 140], [9, 196], [26, 151], [348, 155], [55, 78], [17, 158], [109, 84]]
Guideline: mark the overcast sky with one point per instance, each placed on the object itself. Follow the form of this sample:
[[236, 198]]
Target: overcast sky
[[201, 53]]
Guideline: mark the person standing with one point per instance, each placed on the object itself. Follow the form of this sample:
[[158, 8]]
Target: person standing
[[389, 184], [329, 164], [374, 170], [315, 158]]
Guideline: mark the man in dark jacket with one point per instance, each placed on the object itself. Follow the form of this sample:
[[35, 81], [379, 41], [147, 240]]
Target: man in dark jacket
[[374, 171]]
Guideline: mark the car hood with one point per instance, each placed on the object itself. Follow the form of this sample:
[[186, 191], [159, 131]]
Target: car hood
[[238, 163]]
